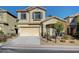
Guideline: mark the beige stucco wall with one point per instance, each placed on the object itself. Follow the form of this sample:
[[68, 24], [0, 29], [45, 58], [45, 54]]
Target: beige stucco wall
[[6, 18], [12, 22], [3, 17], [4, 28]]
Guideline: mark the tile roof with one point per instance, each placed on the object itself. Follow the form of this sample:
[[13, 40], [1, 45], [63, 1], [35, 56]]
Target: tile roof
[[31, 8]]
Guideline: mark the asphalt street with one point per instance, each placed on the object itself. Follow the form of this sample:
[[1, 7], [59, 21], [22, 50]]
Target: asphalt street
[[52, 49]]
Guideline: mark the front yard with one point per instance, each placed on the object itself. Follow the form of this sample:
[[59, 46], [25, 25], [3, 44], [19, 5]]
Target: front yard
[[64, 41], [4, 38]]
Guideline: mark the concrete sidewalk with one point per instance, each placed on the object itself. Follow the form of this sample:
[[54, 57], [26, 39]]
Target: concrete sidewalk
[[41, 46]]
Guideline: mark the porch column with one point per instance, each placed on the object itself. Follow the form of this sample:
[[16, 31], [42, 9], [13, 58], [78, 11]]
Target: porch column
[[44, 29], [69, 30]]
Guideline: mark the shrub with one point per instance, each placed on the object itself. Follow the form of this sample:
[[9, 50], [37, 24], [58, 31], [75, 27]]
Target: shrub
[[3, 38], [49, 39], [66, 37], [13, 34], [62, 40], [76, 34], [72, 41], [1, 32]]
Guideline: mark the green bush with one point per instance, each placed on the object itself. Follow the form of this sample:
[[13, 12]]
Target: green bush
[[66, 37], [77, 34], [62, 40], [72, 41]]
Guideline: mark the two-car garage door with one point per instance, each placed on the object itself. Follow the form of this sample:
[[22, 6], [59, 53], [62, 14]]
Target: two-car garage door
[[29, 31]]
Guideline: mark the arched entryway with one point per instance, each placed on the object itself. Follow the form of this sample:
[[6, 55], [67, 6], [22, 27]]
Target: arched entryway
[[50, 30]]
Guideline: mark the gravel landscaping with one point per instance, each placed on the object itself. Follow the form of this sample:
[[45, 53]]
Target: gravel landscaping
[[60, 42]]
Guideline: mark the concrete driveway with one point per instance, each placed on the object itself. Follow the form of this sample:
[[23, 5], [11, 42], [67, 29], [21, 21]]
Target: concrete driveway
[[24, 40]]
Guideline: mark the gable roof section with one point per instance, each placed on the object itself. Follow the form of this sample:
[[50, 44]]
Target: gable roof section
[[34, 7], [55, 18], [72, 16]]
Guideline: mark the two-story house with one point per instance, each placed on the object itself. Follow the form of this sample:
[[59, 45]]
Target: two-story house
[[30, 21], [8, 22], [33, 22]]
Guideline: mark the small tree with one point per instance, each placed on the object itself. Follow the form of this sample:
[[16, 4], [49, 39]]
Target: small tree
[[59, 27]]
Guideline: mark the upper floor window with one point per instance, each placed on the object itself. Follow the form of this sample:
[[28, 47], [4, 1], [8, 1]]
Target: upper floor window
[[37, 16], [6, 24], [23, 15]]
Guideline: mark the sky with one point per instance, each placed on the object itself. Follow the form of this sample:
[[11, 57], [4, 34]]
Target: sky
[[59, 11]]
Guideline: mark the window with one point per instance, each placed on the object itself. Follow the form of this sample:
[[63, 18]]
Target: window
[[15, 26], [37, 16], [23, 15], [6, 24]]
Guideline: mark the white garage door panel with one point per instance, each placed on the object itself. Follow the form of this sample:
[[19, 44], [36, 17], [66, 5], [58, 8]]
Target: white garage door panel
[[29, 31]]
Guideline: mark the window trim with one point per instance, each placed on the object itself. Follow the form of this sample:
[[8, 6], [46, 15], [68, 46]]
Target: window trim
[[23, 15], [36, 19]]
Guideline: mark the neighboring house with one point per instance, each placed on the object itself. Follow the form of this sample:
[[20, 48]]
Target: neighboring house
[[33, 22], [72, 24], [7, 22]]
